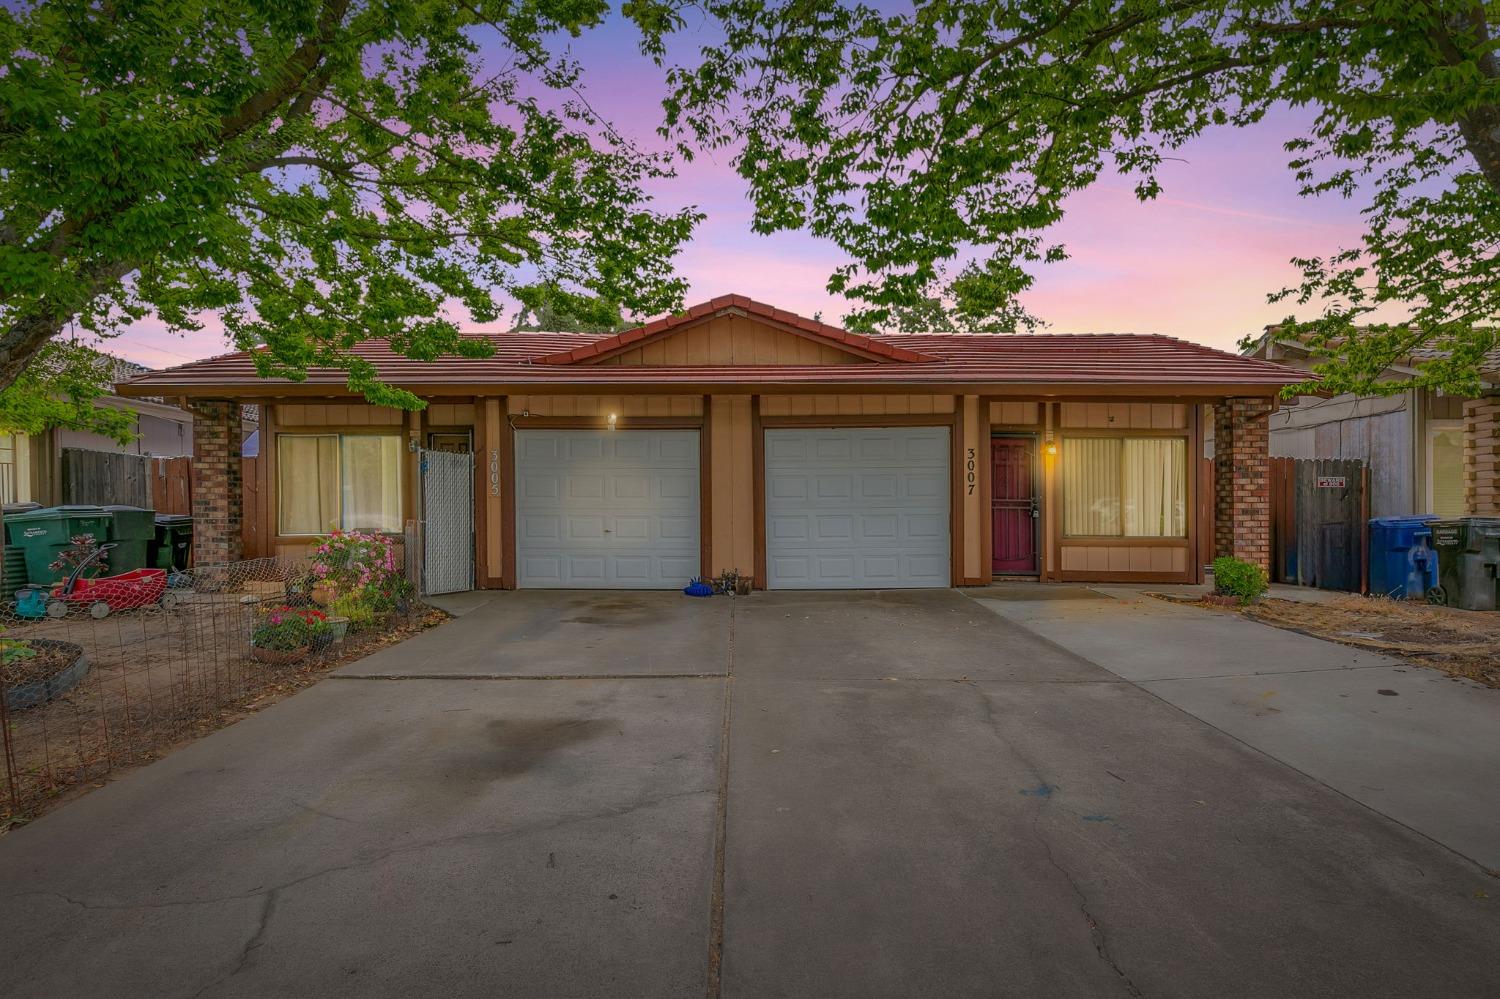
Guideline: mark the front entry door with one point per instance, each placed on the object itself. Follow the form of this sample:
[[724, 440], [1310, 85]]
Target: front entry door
[[1015, 503]]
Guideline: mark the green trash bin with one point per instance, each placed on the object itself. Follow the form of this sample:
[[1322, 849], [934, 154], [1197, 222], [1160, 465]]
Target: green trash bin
[[132, 530], [15, 556], [45, 533], [1468, 550], [174, 541]]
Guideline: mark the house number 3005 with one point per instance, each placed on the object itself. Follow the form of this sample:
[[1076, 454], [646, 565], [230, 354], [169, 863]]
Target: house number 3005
[[971, 476]]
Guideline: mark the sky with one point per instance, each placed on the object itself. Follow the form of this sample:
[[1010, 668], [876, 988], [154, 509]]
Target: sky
[[1196, 263]]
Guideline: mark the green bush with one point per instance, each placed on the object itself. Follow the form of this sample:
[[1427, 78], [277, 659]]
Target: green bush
[[1234, 577]]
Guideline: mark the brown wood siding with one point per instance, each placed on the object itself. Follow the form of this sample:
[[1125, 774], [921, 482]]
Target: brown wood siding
[[601, 406], [1015, 413], [854, 404], [1124, 415], [732, 340]]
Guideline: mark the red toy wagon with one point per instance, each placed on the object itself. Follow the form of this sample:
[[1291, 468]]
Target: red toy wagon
[[107, 594]]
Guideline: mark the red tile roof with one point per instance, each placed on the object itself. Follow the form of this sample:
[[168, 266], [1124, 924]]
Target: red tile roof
[[535, 361]]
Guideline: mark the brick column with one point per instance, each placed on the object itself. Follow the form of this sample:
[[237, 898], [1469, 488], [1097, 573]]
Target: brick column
[[1242, 488], [218, 488], [1482, 456]]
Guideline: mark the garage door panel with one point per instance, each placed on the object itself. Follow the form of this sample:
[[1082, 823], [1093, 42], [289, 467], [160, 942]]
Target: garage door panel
[[846, 508], [607, 508]]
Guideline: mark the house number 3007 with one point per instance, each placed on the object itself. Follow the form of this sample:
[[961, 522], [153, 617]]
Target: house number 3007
[[971, 476]]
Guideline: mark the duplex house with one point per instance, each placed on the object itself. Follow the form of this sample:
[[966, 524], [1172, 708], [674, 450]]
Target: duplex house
[[738, 435]]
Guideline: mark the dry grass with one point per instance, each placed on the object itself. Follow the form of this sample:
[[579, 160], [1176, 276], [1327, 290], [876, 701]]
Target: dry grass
[[1460, 643]]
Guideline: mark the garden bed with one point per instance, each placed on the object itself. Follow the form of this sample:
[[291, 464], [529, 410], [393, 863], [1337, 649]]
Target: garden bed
[[1463, 644]]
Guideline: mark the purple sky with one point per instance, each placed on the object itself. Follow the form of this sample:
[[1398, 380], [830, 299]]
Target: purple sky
[[1196, 263]]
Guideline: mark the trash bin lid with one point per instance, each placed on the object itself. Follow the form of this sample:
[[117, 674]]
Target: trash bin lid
[[112, 507], [10, 509], [172, 519], [1410, 520], [55, 512]]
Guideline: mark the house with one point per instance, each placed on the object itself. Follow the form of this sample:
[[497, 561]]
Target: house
[[1413, 440], [30, 464], [739, 436]]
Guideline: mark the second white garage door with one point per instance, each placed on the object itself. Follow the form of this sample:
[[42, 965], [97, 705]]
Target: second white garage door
[[857, 508], [606, 509]]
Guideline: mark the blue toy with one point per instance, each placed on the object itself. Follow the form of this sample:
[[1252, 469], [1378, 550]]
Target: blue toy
[[698, 588]]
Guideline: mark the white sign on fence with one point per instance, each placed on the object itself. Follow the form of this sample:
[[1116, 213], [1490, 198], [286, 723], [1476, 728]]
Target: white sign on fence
[[1333, 482]]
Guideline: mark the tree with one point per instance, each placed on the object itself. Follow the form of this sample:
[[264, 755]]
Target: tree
[[58, 389], [552, 309], [954, 132], [313, 173]]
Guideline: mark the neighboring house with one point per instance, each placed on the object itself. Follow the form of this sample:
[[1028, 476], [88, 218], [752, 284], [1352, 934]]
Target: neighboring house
[[739, 436], [1413, 440], [30, 464]]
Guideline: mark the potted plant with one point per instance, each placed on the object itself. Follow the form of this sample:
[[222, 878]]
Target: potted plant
[[286, 634]]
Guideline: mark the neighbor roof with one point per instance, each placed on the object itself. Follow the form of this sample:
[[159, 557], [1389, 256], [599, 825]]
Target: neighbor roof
[[542, 361]]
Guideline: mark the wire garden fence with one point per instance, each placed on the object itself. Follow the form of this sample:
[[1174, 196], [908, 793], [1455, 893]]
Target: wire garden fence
[[110, 675]]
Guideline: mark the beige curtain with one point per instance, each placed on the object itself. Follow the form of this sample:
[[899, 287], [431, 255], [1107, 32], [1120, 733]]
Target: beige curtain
[[1155, 489], [307, 473], [1447, 449], [372, 483], [1091, 486]]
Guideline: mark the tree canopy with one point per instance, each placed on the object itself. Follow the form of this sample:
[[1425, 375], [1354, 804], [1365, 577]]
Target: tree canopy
[[952, 133], [313, 174], [552, 309]]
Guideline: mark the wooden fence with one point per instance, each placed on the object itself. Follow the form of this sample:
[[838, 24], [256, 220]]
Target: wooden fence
[[1320, 513], [172, 485], [100, 477], [103, 477]]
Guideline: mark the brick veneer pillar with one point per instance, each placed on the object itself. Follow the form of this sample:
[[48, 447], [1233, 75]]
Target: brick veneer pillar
[[1242, 488], [218, 487], [1482, 456]]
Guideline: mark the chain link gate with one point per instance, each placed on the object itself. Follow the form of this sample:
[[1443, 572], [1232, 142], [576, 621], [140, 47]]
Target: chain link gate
[[447, 521]]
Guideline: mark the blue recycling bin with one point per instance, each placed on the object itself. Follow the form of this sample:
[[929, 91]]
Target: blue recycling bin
[[1403, 564]]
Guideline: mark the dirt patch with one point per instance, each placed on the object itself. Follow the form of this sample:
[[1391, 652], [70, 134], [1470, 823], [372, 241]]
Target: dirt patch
[[1457, 642], [156, 681]]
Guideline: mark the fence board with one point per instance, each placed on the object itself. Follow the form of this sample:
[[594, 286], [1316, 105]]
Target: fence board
[[100, 477], [172, 485]]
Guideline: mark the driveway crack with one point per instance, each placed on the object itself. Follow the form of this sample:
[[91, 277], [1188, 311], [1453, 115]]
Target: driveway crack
[[1096, 929], [721, 832]]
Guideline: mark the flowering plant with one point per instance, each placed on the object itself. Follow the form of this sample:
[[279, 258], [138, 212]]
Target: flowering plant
[[356, 562], [283, 628]]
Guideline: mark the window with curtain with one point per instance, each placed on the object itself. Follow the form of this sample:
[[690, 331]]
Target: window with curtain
[[1132, 487], [1445, 472], [348, 481]]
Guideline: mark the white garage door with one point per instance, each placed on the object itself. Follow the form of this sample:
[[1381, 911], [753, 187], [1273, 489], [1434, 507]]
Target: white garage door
[[607, 509], [857, 508]]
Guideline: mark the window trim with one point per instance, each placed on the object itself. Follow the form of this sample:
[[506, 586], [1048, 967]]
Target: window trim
[[339, 434], [1122, 539]]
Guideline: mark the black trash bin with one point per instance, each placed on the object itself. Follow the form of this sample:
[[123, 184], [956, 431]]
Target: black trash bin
[[1468, 550], [174, 541]]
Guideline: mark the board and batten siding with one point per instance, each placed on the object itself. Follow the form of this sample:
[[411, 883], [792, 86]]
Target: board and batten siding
[[731, 340], [853, 404]]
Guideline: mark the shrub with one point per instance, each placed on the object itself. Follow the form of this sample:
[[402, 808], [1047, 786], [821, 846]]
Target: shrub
[[286, 628], [1235, 577], [357, 563]]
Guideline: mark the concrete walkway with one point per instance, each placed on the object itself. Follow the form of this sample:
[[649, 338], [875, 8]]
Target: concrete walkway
[[867, 794], [1410, 743]]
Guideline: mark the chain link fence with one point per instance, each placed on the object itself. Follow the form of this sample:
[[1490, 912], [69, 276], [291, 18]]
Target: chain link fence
[[111, 677]]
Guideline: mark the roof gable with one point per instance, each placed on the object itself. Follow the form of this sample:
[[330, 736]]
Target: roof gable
[[734, 330]]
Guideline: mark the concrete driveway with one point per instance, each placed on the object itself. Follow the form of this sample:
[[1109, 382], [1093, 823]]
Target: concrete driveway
[[872, 794]]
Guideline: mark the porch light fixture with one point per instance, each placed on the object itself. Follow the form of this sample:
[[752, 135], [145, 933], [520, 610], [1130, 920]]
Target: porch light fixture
[[611, 421], [1051, 446]]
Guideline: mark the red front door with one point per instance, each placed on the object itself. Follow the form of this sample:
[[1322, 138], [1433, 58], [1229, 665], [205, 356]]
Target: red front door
[[1014, 503]]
